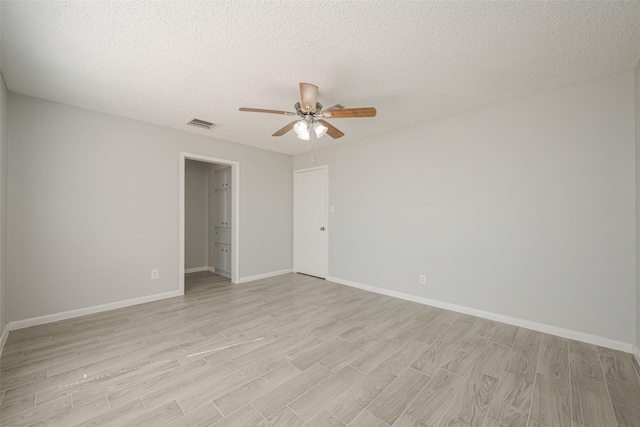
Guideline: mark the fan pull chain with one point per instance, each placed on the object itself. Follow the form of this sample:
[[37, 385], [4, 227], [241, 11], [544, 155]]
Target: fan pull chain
[[312, 158]]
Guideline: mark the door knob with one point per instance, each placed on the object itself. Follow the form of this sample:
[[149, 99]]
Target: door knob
[[322, 228]]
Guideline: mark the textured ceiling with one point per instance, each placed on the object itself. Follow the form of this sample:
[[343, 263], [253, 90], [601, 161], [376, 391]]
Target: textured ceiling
[[165, 62]]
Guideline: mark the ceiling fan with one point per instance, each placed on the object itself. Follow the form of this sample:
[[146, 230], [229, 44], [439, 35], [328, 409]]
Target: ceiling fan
[[312, 116]]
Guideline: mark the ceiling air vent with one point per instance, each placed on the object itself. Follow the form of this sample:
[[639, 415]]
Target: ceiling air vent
[[203, 123]]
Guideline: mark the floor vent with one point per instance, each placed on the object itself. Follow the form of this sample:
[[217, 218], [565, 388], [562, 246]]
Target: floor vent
[[203, 124]]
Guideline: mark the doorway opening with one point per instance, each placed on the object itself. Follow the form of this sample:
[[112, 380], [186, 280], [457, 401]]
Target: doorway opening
[[209, 217]]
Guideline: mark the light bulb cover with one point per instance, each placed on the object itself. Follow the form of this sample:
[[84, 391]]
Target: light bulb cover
[[301, 128], [319, 129]]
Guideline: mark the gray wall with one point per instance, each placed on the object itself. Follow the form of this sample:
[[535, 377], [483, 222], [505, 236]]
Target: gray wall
[[637, 109], [4, 301], [196, 214], [93, 207], [524, 209]]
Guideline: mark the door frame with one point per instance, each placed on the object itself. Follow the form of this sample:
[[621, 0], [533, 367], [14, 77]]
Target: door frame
[[326, 241], [235, 213]]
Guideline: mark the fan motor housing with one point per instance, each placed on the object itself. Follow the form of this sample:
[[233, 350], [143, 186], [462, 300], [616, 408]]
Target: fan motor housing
[[302, 112]]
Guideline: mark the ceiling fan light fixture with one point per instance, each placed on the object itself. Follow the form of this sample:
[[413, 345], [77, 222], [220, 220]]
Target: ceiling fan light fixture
[[309, 117], [319, 129], [301, 128]]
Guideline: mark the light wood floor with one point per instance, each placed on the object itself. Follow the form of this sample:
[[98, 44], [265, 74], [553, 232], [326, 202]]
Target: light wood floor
[[294, 350]]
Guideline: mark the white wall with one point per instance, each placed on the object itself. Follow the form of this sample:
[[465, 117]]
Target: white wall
[[524, 209], [93, 207], [196, 214], [637, 147], [4, 301]]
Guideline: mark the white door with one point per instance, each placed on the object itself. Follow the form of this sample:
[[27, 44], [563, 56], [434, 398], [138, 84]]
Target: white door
[[223, 207], [310, 222], [220, 258], [223, 178]]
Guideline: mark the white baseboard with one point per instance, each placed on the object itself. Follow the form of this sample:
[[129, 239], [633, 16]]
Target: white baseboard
[[25, 323], [540, 327], [263, 275], [195, 270], [636, 352], [4, 336], [199, 269]]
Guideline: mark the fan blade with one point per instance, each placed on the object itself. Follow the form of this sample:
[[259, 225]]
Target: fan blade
[[260, 110], [332, 131], [349, 112], [308, 96], [285, 129]]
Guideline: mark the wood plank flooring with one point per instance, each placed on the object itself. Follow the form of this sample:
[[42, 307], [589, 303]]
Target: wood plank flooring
[[294, 350]]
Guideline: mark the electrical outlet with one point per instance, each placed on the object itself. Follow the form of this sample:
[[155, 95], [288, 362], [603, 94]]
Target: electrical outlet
[[423, 279], [154, 274]]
